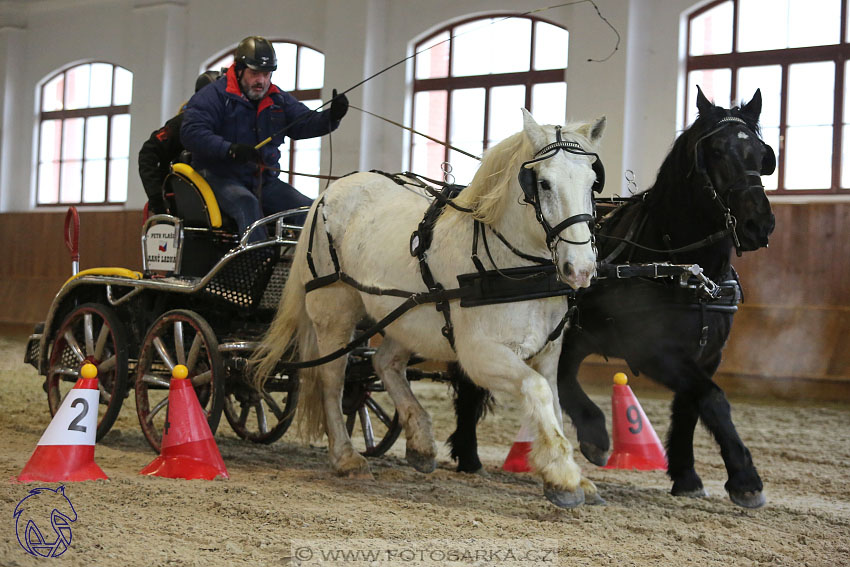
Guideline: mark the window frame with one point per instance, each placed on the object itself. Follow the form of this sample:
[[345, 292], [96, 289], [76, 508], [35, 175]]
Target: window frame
[[838, 54], [299, 94], [88, 112], [450, 83]]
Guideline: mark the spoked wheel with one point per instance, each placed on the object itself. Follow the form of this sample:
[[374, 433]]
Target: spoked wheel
[[261, 417], [371, 418], [91, 333], [177, 337]]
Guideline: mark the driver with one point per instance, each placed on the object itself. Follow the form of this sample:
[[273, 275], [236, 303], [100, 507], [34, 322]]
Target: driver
[[224, 124]]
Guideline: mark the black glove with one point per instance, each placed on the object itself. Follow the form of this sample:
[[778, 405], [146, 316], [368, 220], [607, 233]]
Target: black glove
[[243, 153], [339, 106]]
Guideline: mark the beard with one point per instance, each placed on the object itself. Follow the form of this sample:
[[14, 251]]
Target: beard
[[253, 93]]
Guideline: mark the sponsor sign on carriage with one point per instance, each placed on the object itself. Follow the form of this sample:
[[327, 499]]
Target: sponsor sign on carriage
[[161, 247]]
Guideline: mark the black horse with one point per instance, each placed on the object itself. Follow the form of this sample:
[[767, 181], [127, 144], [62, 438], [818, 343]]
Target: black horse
[[707, 201]]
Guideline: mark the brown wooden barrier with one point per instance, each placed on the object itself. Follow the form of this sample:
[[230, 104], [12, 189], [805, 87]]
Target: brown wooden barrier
[[791, 337]]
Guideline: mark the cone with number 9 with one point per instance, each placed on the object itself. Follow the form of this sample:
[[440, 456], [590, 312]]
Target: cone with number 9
[[636, 445], [65, 452]]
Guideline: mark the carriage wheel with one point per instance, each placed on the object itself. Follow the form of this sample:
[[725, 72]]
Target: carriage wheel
[[261, 417], [371, 418], [91, 333], [177, 337]]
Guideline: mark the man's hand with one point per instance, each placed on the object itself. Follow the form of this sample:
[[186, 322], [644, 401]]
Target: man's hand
[[243, 153], [339, 106]]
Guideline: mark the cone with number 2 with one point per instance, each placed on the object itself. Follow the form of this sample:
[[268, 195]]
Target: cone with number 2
[[188, 448], [65, 452], [636, 445]]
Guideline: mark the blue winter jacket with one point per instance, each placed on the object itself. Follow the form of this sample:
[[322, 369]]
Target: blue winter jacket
[[219, 115]]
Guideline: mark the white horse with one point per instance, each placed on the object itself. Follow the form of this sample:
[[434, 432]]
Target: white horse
[[502, 347]]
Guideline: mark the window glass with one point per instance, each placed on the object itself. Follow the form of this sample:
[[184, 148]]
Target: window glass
[[711, 31], [808, 157], [77, 87], [72, 139], [94, 181], [120, 139], [549, 103], [813, 22], [551, 46], [96, 137], [505, 112], [284, 77], [71, 187], [51, 138], [845, 156], [48, 183], [100, 93], [429, 118], [311, 69], [118, 180], [53, 94], [768, 79], [307, 160], [716, 85], [432, 58], [123, 87], [755, 18], [811, 89], [465, 131], [496, 45]]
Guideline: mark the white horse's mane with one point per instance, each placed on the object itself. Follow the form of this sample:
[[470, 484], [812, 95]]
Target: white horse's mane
[[487, 193]]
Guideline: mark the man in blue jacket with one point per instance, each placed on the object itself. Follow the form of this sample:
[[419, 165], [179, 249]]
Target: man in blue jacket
[[224, 123]]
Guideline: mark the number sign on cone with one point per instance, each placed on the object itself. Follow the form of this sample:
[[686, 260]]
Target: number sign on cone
[[65, 452], [636, 445]]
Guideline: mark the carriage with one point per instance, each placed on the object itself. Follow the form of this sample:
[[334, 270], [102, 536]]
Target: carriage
[[203, 298]]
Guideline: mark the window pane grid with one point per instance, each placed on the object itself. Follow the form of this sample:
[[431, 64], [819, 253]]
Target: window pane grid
[[800, 68], [78, 145], [465, 95]]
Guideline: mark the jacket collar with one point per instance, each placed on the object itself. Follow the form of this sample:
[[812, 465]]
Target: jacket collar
[[234, 89]]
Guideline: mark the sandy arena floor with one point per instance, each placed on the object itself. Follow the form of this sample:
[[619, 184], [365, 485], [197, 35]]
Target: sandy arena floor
[[282, 505]]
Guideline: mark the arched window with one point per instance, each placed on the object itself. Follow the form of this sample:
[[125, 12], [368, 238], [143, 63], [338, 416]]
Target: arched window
[[301, 73], [797, 53], [468, 88], [84, 136]]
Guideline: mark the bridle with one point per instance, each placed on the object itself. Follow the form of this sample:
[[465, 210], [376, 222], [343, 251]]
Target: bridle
[[768, 165], [531, 192]]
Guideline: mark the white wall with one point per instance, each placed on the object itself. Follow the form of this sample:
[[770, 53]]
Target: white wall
[[165, 42]]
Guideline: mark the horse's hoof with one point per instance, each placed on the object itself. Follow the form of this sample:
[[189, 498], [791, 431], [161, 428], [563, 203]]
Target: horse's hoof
[[753, 499], [594, 499], [563, 498], [594, 454], [700, 492], [420, 461], [355, 467], [469, 468]]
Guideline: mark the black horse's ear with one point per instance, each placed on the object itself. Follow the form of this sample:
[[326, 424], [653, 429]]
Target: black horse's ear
[[527, 180], [768, 161], [703, 104], [753, 108], [599, 170]]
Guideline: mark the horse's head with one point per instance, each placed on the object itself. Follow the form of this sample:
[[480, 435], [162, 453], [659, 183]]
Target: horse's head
[[732, 157], [558, 180]]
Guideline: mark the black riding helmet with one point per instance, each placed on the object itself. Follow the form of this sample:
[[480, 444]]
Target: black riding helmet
[[257, 53], [206, 78]]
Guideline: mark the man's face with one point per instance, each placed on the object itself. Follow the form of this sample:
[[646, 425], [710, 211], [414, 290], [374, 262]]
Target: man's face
[[255, 84]]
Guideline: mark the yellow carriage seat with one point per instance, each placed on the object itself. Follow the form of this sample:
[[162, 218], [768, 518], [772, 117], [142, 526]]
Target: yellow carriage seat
[[191, 199]]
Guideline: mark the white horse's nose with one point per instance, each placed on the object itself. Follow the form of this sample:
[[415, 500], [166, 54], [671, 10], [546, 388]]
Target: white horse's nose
[[577, 277]]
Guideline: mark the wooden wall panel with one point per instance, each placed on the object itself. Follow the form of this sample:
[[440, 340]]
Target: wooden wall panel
[[791, 336]]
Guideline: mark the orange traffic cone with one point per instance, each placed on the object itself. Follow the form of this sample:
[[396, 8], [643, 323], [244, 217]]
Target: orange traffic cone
[[188, 448], [65, 452], [517, 459], [636, 446]]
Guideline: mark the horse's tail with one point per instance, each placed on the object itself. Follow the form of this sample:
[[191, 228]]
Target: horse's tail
[[290, 337], [280, 340]]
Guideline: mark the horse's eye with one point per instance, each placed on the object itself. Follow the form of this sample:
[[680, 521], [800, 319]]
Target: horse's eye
[[545, 185]]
